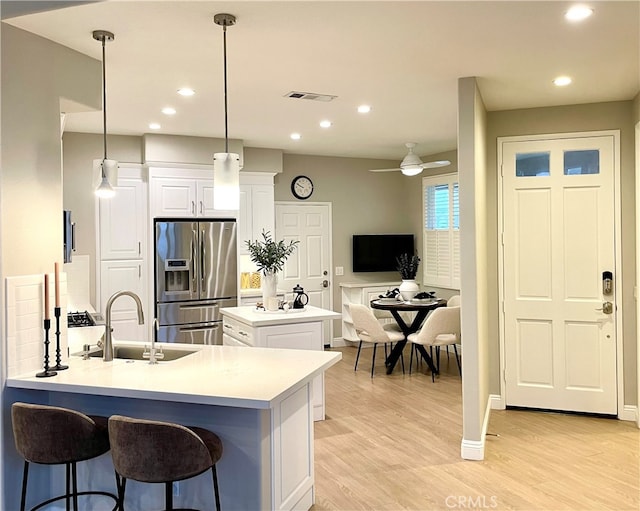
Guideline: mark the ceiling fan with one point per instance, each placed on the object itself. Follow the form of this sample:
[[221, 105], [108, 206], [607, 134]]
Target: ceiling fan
[[413, 165]]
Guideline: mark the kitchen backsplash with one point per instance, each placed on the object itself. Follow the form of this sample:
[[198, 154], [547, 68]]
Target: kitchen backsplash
[[25, 317]]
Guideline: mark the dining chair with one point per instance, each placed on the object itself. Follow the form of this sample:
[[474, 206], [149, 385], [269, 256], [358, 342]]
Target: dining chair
[[441, 328], [369, 329], [454, 301]]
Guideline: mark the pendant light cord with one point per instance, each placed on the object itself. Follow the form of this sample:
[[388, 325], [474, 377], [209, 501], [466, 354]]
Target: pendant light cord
[[226, 122], [104, 103]]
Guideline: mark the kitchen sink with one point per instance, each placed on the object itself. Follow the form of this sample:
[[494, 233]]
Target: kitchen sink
[[135, 353]]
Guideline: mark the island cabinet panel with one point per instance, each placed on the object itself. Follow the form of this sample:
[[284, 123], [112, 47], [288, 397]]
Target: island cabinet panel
[[267, 461], [293, 452], [297, 336]]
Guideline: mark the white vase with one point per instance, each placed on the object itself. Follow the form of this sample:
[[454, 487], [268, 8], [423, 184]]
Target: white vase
[[269, 286], [409, 289]]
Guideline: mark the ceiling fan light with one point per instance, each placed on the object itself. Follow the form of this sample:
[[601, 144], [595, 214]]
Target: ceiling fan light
[[411, 170]]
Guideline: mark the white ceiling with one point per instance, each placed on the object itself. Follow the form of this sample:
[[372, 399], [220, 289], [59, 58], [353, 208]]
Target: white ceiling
[[402, 58]]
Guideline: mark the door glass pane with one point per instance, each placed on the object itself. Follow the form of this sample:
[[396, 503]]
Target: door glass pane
[[532, 164], [581, 162]]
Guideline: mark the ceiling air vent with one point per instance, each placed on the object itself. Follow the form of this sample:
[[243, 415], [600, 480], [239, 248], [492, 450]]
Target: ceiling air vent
[[310, 95]]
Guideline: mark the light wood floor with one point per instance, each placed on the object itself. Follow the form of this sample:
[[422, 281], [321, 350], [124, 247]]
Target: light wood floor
[[393, 443]]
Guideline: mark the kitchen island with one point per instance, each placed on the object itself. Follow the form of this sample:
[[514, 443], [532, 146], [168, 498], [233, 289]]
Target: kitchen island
[[259, 401], [301, 329]]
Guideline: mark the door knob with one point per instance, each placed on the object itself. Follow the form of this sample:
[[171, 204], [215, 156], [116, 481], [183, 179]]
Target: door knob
[[607, 308], [325, 283]]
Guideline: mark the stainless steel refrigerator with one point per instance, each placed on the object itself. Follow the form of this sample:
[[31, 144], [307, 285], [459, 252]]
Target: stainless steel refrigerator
[[196, 275]]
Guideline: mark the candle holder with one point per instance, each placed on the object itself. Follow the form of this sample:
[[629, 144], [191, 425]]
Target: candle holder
[[47, 372], [58, 366]]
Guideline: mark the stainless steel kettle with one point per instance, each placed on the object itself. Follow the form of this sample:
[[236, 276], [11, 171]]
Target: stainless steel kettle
[[300, 298]]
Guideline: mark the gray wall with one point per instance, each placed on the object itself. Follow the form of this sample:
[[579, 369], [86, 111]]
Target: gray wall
[[38, 77], [79, 151], [474, 179], [363, 202], [592, 117]]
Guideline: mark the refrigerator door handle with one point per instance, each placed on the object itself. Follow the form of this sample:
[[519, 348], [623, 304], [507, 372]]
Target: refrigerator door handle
[[202, 235], [195, 270]]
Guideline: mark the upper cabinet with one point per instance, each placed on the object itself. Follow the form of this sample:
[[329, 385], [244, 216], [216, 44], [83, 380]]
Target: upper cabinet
[[183, 193], [123, 218], [256, 207]]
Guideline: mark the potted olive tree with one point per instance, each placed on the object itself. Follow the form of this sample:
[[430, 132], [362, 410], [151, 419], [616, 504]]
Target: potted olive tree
[[269, 256], [408, 268]]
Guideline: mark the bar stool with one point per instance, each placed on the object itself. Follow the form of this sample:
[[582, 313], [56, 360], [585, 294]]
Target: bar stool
[[51, 435], [161, 452]]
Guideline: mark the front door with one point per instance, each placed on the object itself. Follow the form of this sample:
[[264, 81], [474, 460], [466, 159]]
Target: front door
[[558, 214], [310, 264]]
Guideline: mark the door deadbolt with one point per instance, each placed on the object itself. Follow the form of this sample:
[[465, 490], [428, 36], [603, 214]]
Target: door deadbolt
[[607, 308]]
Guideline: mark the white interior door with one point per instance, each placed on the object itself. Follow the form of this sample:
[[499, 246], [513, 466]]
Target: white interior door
[[558, 239], [310, 264]]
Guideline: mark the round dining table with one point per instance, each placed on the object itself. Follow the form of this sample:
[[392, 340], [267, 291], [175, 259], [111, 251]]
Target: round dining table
[[421, 308]]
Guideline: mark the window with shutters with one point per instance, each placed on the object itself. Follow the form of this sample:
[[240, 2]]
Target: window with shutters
[[441, 239]]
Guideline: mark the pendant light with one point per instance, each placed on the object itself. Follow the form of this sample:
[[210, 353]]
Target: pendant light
[[226, 166], [106, 170]]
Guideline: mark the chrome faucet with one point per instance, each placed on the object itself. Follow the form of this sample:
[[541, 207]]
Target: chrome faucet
[[107, 353]]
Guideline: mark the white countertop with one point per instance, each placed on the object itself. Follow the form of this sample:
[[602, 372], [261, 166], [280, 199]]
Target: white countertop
[[257, 317], [214, 375]]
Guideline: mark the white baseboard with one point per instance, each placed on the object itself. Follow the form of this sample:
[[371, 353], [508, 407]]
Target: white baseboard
[[474, 449], [629, 413], [497, 402], [339, 342]]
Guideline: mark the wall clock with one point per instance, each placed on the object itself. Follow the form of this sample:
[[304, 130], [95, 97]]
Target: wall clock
[[301, 187]]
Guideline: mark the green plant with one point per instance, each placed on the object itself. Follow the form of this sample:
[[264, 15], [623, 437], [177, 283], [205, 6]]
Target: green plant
[[270, 255], [408, 266]]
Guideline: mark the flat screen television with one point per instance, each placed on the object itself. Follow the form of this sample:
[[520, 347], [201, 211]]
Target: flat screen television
[[378, 252]]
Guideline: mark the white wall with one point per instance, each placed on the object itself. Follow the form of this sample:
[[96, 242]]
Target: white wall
[[472, 175], [37, 77]]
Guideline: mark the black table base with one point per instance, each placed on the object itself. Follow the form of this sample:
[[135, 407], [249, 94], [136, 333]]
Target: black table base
[[421, 314]]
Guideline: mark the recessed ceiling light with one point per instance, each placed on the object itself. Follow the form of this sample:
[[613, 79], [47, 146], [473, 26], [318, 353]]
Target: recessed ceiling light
[[154, 126], [186, 91], [578, 13], [325, 124], [167, 110], [364, 109], [295, 136], [561, 81]]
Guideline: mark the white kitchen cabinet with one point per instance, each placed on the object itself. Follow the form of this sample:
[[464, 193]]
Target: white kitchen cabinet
[[123, 248], [244, 326], [172, 197], [123, 218], [124, 276], [257, 207], [300, 336], [183, 193], [362, 293]]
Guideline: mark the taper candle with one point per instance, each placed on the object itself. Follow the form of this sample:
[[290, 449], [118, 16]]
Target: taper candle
[[46, 296], [57, 283]]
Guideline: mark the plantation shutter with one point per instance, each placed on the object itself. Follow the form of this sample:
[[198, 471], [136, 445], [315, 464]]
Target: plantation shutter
[[441, 250]]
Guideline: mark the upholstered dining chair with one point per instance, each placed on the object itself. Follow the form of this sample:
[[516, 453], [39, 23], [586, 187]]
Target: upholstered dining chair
[[51, 435], [454, 301], [161, 452], [369, 329], [441, 328]]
